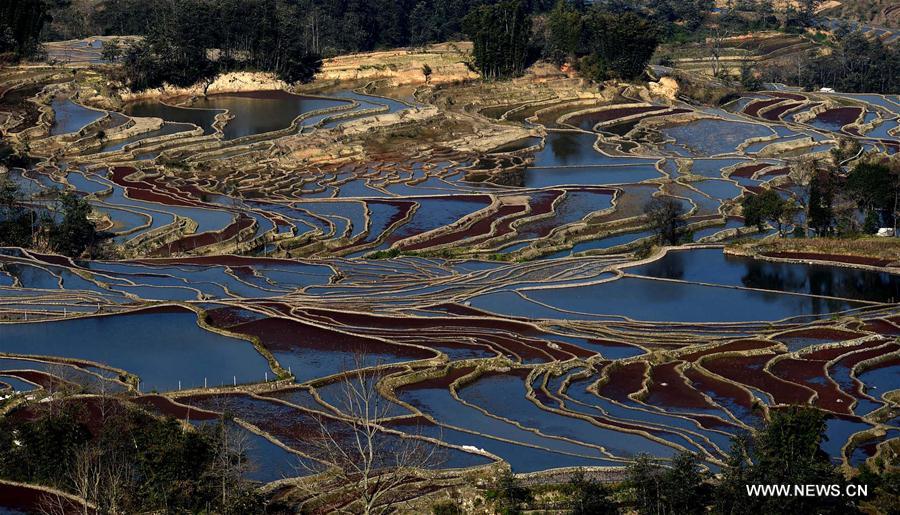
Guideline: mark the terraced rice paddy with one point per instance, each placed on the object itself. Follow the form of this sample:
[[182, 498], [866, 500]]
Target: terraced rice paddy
[[507, 316]]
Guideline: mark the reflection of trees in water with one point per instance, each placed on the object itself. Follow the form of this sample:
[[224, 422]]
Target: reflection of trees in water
[[874, 286], [823, 281], [780, 278], [565, 146], [853, 284], [670, 267], [771, 277]]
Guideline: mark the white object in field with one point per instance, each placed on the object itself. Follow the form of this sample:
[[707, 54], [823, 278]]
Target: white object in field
[[826, 90], [885, 232], [472, 448]]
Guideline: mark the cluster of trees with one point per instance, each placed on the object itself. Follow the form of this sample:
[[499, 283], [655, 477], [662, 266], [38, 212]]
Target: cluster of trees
[[836, 204], [21, 24], [666, 217], [65, 228], [606, 42], [189, 41], [328, 27], [769, 207], [785, 451], [857, 64], [695, 20], [125, 460], [500, 34]]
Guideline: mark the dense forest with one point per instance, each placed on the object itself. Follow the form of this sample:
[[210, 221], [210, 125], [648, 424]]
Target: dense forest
[[21, 26], [855, 64], [64, 228], [326, 27], [125, 460], [186, 41]]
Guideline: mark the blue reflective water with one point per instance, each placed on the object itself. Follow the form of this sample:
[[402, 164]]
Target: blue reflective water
[[536, 177], [647, 299], [715, 267], [510, 391], [161, 348], [71, 117], [202, 118], [710, 137], [262, 111]]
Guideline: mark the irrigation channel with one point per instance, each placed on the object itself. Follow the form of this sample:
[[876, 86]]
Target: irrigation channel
[[507, 316]]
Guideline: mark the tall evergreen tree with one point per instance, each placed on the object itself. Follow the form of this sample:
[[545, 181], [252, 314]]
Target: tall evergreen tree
[[500, 34], [619, 45], [564, 31]]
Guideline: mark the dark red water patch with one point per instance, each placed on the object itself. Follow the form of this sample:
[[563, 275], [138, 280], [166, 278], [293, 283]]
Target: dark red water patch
[[775, 113], [840, 115], [144, 190], [754, 108], [280, 334], [406, 422], [777, 172], [369, 320], [668, 388], [524, 338], [756, 190], [229, 316], [720, 388], [820, 333], [789, 96], [749, 371], [196, 241], [458, 309], [811, 374], [735, 346], [41, 379], [512, 345], [748, 171], [882, 327], [169, 408], [623, 381], [53, 259]]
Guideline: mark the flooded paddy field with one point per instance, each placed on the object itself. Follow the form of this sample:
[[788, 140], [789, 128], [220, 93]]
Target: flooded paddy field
[[495, 288]]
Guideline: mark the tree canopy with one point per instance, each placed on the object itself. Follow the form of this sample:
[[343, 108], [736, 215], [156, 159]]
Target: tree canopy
[[769, 207], [666, 218], [500, 34], [21, 23]]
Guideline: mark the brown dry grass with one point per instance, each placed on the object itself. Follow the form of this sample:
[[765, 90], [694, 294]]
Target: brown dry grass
[[870, 247]]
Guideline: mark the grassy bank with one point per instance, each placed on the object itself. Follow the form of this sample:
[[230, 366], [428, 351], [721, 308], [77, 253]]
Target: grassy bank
[[883, 249]]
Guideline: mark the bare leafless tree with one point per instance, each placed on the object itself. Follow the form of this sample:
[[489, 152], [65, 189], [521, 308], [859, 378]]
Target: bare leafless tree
[[101, 473], [54, 503], [231, 463], [372, 465]]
